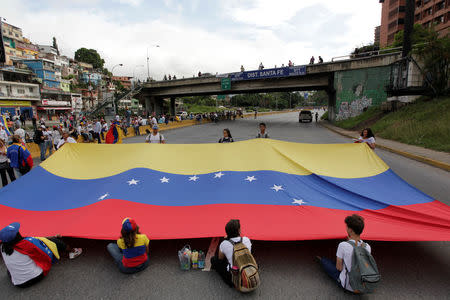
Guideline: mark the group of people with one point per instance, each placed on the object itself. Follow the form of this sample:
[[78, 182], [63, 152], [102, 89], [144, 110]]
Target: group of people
[[312, 60], [227, 138], [289, 64], [170, 77], [29, 259]]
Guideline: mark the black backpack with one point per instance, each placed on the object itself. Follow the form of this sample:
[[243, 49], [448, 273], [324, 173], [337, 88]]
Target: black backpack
[[37, 137]]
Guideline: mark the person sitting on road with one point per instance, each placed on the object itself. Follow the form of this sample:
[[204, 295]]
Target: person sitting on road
[[154, 137], [131, 251], [29, 259], [223, 262], [262, 132], [338, 272], [226, 136], [367, 137]]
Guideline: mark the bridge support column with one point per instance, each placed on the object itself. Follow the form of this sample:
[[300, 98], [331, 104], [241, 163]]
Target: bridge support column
[[149, 105], [172, 106], [331, 91]]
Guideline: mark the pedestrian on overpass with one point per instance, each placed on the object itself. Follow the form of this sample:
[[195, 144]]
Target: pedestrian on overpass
[[261, 66], [262, 134], [311, 61], [242, 68], [227, 138], [320, 59]]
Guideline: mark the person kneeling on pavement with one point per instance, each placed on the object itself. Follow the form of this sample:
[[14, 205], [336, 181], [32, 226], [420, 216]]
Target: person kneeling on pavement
[[355, 269], [234, 262], [29, 259], [131, 251]]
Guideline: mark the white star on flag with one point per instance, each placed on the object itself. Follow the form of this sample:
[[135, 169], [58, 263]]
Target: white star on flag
[[250, 178], [164, 180], [133, 182], [193, 178], [297, 201], [276, 187], [218, 175], [103, 196]]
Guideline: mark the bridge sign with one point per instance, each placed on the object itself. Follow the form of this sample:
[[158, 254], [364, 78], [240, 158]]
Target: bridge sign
[[226, 84], [269, 73]]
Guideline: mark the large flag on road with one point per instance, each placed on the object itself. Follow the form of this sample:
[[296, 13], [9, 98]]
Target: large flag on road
[[279, 191]]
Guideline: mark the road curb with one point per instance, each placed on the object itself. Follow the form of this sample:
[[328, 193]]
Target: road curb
[[426, 160]]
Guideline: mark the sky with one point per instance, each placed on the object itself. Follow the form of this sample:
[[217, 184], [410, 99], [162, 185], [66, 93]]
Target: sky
[[197, 35]]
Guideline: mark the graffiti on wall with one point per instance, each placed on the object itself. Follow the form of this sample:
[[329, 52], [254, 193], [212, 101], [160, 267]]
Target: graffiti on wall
[[354, 108]]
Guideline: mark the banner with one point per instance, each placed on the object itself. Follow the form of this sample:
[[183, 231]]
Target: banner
[[268, 73]]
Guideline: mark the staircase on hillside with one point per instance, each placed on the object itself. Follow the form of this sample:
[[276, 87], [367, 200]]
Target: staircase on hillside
[[109, 100]]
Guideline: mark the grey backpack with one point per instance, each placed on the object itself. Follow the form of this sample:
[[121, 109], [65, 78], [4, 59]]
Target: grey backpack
[[364, 275]]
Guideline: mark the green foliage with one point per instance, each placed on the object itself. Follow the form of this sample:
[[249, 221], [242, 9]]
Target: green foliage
[[119, 86], [281, 100], [366, 48], [324, 116], [423, 123], [355, 122], [435, 55], [90, 56], [320, 98], [419, 35]]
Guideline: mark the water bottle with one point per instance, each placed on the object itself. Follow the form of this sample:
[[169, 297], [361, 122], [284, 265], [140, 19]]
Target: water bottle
[[201, 260]]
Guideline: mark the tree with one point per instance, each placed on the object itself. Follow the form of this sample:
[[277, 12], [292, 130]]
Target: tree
[[434, 52], [90, 56], [320, 98], [419, 35]]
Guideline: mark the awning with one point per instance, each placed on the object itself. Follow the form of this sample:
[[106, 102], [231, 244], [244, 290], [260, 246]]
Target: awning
[[55, 108]]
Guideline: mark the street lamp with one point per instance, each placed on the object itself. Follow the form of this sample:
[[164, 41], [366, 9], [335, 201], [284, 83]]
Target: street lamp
[[148, 68], [114, 102]]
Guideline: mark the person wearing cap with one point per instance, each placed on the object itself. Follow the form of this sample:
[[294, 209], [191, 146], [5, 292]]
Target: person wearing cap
[[29, 259], [131, 251], [155, 137]]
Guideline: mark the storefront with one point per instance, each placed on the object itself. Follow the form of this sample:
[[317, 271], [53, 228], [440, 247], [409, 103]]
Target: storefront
[[51, 109], [17, 107]]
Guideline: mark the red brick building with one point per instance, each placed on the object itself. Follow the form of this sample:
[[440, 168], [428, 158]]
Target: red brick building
[[125, 80], [427, 13]]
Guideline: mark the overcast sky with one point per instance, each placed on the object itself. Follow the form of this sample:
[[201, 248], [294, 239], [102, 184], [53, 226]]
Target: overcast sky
[[197, 35]]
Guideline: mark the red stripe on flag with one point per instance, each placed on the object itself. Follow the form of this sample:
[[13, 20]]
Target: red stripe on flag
[[261, 222]]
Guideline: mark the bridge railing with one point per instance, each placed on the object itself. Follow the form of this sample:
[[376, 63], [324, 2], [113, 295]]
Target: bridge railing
[[367, 54]]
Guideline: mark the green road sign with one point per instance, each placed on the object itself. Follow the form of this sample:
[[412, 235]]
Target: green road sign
[[221, 97], [226, 84]]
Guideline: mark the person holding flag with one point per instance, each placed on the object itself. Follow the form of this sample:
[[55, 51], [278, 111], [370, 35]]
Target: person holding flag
[[113, 136], [29, 259]]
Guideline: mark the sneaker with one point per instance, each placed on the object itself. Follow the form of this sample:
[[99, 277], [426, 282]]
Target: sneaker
[[75, 253]]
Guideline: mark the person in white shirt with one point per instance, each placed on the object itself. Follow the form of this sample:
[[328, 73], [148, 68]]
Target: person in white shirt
[[56, 137], [20, 132], [262, 134], [155, 137], [48, 140], [3, 134], [154, 121], [98, 131], [223, 262], [338, 271], [367, 137], [66, 139]]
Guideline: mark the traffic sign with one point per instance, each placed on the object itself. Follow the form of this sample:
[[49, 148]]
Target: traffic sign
[[226, 84]]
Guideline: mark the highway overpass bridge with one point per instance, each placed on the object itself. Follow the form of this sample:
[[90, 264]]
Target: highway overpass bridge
[[352, 84]]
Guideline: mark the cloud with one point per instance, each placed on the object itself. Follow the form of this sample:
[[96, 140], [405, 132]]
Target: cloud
[[130, 2], [231, 34]]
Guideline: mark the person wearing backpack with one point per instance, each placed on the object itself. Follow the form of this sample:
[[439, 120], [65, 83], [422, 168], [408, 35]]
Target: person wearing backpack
[[355, 269], [39, 139], [234, 262]]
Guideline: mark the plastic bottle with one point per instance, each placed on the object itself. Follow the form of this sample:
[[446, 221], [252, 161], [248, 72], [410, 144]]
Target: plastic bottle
[[194, 259], [201, 260]]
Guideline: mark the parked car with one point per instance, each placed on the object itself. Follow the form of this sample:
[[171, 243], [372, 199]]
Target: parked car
[[305, 116]]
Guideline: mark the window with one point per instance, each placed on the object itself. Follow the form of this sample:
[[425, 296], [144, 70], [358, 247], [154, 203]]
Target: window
[[418, 3], [16, 35], [417, 17], [440, 5], [429, 11], [31, 89], [20, 91], [439, 20]]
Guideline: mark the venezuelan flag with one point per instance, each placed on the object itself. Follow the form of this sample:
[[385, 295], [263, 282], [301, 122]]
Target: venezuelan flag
[[279, 190], [5, 124]]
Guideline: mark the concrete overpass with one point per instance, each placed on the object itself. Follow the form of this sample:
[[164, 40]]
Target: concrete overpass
[[315, 77]]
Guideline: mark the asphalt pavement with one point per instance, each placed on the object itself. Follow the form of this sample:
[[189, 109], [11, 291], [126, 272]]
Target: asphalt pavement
[[410, 270]]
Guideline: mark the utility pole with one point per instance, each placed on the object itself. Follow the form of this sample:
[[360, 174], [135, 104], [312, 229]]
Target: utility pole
[[408, 27], [148, 68]]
